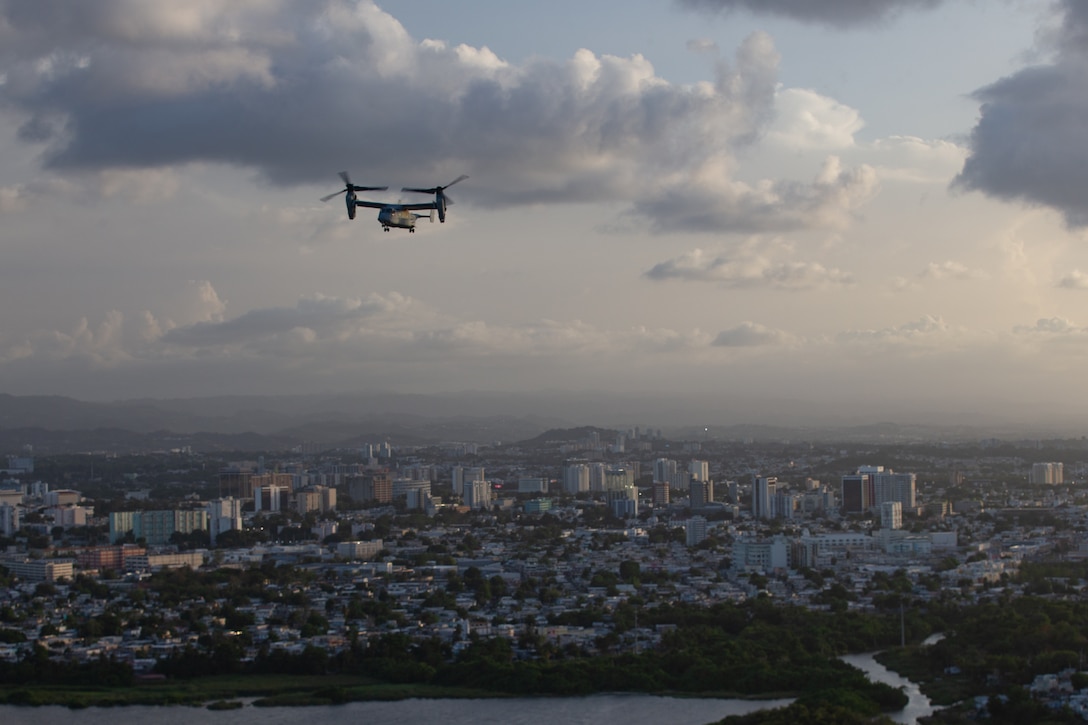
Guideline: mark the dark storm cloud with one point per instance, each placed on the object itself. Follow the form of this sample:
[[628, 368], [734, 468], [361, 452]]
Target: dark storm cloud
[[298, 91], [830, 12], [1031, 140]]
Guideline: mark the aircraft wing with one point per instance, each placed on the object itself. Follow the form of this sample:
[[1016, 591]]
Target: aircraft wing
[[417, 207], [372, 204]]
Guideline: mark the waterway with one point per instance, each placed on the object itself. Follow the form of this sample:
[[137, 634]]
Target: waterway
[[918, 705], [616, 709], [593, 710]]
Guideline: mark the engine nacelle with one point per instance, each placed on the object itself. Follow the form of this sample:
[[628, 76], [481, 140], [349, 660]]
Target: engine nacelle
[[350, 199]]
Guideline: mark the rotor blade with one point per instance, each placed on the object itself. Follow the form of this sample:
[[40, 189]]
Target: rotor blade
[[369, 188], [421, 191], [449, 201], [335, 193], [346, 179], [462, 177]]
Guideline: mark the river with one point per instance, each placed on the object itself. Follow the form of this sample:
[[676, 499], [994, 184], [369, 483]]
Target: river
[[918, 705]]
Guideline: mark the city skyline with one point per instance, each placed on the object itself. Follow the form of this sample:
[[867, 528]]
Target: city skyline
[[871, 206]]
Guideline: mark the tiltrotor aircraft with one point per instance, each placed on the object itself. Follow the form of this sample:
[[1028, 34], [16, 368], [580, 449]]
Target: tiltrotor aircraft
[[401, 216]]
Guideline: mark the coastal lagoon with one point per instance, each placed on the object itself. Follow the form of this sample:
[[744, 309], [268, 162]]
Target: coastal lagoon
[[613, 709], [620, 709]]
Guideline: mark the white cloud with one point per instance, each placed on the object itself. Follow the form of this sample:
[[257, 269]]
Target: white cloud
[[807, 119], [748, 266], [951, 269], [750, 334], [928, 331]]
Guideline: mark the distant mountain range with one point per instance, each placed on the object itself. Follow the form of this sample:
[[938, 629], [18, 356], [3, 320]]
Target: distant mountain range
[[58, 424]]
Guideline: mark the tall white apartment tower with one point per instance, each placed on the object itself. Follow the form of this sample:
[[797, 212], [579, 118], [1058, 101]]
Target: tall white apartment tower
[[891, 515], [1047, 473], [576, 478], [477, 494], [224, 514]]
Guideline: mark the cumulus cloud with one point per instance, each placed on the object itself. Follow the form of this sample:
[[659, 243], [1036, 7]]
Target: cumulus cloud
[[807, 119], [312, 315], [750, 334], [924, 330], [1031, 143], [843, 13], [288, 89], [1050, 326], [1074, 280], [951, 269], [748, 267], [713, 201]]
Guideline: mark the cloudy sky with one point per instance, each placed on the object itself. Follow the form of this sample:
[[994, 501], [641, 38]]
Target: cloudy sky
[[870, 205]]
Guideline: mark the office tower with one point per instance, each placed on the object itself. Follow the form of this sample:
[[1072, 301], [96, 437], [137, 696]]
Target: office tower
[[665, 470], [734, 491], [623, 502], [763, 497], [901, 487], [701, 493], [661, 493], [269, 498], [699, 470], [374, 486], [596, 476], [457, 478], [858, 493]]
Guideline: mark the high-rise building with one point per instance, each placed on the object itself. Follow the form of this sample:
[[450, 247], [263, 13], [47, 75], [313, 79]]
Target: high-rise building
[[623, 502], [477, 494], [235, 483], [661, 493], [858, 493], [701, 493], [1047, 473], [224, 514], [10, 519], [269, 498], [373, 486], [665, 470], [699, 470], [575, 478], [596, 476], [695, 530], [763, 497], [891, 515], [617, 479]]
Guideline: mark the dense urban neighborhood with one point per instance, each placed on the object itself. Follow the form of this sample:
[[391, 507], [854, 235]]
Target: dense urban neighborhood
[[580, 545]]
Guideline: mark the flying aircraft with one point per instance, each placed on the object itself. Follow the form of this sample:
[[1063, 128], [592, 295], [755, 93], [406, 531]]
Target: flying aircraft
[[399, 215]]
